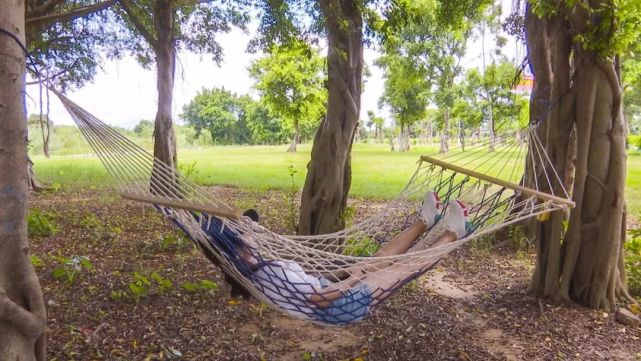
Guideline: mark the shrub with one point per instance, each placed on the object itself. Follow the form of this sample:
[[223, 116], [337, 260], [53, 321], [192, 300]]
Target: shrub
[[40, 224], [633, 261]]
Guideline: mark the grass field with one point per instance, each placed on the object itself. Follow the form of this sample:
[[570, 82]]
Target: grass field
[[377, 172]]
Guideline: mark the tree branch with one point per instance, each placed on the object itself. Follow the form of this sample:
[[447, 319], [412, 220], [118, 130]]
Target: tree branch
[[69, 15], [130, 8], [43, 9]]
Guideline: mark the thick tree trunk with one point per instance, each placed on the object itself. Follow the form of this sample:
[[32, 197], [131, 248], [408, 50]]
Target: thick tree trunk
[[164, 137], [324, 196], [582, 264], [22, 310]]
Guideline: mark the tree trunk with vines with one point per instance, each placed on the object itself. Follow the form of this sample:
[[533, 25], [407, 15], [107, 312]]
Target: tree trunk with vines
[[22, 310], [329, 175], [578, 98]]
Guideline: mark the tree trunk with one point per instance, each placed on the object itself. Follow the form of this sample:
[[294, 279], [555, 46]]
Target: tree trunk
[[31, 177], [403, 139], [324, 196], [584, 94], [445, 134], [22, 310], [165, 51], [296, 140]]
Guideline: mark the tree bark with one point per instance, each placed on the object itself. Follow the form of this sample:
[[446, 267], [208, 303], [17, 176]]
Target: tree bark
[[583, 96], [328, 180], [296, 140], [165, 49], [445, 134], [404, 139], [22, 310]]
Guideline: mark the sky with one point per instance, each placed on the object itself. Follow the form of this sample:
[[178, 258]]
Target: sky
[[123, 92]]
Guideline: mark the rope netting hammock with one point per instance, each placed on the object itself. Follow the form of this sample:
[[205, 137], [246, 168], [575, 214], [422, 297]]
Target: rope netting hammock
[[296, 274]]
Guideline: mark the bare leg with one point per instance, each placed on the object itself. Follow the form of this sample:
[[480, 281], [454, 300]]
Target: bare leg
[[397, 245], [403, 241], [380, 277]]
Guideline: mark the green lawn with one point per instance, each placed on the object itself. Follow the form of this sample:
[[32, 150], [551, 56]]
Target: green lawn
[[377, 172]]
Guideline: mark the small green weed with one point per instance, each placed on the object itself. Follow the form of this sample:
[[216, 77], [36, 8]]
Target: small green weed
[[143, 285], [70, 268], [633, 261], [348, 215], [202, 286], [41, 224], [365, 247], [177, 241], [90, 221], [188, 169], [36, 261]]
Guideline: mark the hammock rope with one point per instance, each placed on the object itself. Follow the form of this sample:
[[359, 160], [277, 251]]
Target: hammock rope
[[291, 270]]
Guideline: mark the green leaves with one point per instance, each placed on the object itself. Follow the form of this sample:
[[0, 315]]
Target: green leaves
[[290, 80]]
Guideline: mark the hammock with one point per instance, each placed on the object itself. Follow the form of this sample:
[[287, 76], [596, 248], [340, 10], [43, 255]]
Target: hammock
[[492, 191]]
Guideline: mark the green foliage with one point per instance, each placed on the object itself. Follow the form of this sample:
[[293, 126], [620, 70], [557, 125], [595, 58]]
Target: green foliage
[[406, 89], [493, 90], [202, 286], [36, 261], [633, 261], [40, 224], [365, 247], [176, 241], [231, 119], [290, 80], [142, 286], [195, 27], [72, 50], [90, 221], [70, 268], [188, 169]]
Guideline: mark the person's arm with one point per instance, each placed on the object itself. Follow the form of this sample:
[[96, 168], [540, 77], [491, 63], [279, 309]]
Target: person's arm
[[327, 295]]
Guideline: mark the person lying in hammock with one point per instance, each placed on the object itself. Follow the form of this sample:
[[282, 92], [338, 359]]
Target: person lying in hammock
[[287, 285]]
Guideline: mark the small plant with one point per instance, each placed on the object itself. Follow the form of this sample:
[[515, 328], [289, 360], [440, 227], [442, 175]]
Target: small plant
[[36, 261], [188, 169], [70, 268], [348, 215], [291, 215], [142, 285], [177, 241], [90, 221], [365, 247], [633, 261], [201, 286], [139, 287], [40, 224]]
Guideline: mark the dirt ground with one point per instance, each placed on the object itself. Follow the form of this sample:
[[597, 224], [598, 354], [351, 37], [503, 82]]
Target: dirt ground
[[473, 306]]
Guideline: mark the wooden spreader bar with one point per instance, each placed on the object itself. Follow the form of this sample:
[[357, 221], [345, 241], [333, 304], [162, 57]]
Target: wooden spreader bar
[[515, 187], [232, 214]]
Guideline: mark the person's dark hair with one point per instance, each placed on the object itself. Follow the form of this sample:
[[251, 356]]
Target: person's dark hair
[[252, 214]]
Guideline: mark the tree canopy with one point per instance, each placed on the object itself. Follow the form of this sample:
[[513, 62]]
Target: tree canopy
[[290, 81]]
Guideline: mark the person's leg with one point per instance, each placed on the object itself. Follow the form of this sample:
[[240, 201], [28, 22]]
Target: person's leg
[[403, 241], [428, 216]]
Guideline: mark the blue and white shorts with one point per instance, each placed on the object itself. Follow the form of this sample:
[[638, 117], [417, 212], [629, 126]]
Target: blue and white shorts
[[352, 307]]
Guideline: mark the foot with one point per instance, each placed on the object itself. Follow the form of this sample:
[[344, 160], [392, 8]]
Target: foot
[[431, 209], [456, 217]]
